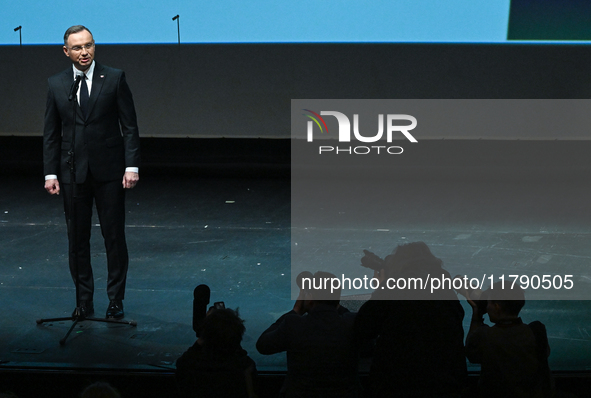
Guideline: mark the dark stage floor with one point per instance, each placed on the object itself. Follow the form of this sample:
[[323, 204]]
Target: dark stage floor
[[233, 233]]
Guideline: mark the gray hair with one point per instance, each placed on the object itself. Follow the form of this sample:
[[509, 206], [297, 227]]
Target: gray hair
[[74, 29]]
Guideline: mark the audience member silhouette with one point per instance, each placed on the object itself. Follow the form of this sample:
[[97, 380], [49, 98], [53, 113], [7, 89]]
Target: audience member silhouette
[[317, 336], [513, 355], [419, 350], [216, 365], [100, 389]]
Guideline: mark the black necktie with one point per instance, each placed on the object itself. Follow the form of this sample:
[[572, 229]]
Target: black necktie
[[84, 95]]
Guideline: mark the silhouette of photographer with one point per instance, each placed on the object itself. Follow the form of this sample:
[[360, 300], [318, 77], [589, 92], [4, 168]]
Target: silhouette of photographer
[[317, 336], [513, 355], [419, 348], [216, 365]]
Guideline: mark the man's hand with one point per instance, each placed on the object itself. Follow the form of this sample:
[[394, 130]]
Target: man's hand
[[52, 186], [302, 304], [380, 275], [130, 179]]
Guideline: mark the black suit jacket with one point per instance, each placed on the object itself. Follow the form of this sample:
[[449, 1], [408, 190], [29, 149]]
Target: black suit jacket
[[107, 140]]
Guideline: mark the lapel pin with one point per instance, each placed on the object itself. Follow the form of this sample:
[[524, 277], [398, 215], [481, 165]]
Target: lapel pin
[[102, 76]]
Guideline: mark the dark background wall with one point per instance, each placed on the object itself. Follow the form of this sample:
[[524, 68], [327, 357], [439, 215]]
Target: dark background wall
[[244, 90], [236, 100]]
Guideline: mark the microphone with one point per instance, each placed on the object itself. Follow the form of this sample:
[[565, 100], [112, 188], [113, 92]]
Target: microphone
[[74, 88]]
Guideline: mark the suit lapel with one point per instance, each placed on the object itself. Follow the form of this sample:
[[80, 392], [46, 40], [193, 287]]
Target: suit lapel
[[67, 79], [98, 79]]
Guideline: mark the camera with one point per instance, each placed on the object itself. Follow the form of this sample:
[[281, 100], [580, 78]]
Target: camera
[[372, 261], [303, 275]]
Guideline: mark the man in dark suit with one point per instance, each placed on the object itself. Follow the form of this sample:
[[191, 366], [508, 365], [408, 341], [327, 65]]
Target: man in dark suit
[[106, 158]]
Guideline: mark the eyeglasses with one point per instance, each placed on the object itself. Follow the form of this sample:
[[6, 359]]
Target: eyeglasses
[[87, 46]]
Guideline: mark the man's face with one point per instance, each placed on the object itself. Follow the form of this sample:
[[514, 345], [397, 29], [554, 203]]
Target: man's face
[[80, 49]]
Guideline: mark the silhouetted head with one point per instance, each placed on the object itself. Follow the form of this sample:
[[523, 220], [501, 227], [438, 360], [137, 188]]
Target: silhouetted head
[[412, 256], [100, 390], [324, 291], [504, 300], [222, 331]]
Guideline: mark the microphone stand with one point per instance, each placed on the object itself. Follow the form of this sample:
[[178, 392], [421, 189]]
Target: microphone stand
[[178, 27], [20, 35], [78, 314]]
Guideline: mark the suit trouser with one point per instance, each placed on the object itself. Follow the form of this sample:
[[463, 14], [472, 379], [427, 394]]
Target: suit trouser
[[110, 205]]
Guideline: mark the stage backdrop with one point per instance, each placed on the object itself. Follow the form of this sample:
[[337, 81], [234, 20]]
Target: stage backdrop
[[245, 90]]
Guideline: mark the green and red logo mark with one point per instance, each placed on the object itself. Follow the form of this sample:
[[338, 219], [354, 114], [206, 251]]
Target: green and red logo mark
[[315, 118]]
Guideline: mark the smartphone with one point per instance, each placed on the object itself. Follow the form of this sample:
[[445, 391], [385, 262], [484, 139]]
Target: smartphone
[[219, 305]]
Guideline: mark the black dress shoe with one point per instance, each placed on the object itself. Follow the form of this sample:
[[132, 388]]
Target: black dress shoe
[[115, 309], [86, 308]]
